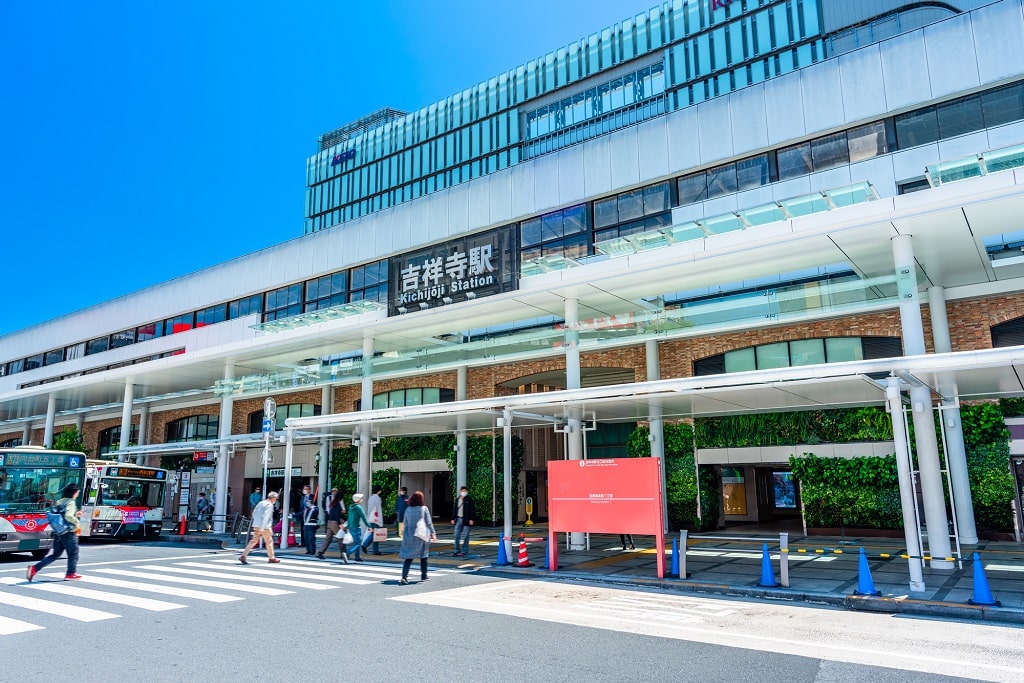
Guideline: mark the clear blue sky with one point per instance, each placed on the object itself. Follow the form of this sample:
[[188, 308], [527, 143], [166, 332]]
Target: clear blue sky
[[144, 140]]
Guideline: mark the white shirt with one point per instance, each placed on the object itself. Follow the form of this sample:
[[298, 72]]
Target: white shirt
[[263, 514], [374, 513]]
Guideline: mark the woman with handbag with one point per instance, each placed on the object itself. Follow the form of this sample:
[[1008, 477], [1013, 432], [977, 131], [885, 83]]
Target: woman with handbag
[[416, 537]]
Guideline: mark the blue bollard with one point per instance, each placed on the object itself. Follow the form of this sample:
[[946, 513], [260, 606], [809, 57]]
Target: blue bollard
[[982, 594], [675, 559], [767, 572], [547, 549], [502, 556], [865, 586]]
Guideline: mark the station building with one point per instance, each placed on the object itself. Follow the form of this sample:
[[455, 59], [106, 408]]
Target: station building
[[723, 194]]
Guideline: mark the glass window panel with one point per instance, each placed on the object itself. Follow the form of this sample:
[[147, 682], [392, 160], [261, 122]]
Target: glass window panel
[[33, 362], [751, 173], [794, 161], [807, 352], [839, 349], [551, 225], [575, 247], [772, 356], [656, 198], [631, 205], [1003, 105], [740, 361], [829, 151], [431, 395], [917, 128], [959, 117], [721, 180], [54, 356], [692, 188], [97, 345], [574, 219], [123, 338], [606, 212], [867, 141], [380, 401]]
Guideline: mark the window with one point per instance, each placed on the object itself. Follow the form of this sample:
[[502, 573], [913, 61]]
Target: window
[[326, 291], [559, 233], [33, 362], [282, 414], [631, 205], [867, 141], [1003, 105], [752, 172], [657, 198], [195, 428], [795, 161], [283, 302], [829, 151], [123, 338], [54, 356], [181, 323], [917, 128], [110, 439], [369, 282], [249, 305], [1010, 333], [803, 352], [722, 180], [150, 331], [97, 345], [693, 188], [417, 396], [606, 212], [212, 315], [960, 116]]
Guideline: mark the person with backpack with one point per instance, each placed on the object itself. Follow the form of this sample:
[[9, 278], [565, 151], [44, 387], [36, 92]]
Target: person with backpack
[[65, 538]]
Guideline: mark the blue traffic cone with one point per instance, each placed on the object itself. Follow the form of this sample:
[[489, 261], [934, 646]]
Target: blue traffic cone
[[502, 556], [865, 586], [767, 572], [982, 594], [675, 559]]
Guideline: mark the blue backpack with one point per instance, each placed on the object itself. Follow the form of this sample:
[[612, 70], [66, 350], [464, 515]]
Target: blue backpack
[[55, 518]]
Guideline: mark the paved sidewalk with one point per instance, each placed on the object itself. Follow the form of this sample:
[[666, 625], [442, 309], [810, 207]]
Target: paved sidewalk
[[821, 569]]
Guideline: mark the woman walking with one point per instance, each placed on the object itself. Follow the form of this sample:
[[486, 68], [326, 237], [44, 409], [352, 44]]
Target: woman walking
[[356, 520], [416, 545], [334, 528]]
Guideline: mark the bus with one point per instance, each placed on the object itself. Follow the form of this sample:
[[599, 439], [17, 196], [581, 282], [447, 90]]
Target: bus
[[32, 479], [121, 500]]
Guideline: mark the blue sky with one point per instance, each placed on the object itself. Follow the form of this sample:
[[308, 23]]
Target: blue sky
[[143, 140]]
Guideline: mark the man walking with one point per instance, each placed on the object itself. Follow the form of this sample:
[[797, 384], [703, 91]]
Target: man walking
[[262, 528], [307, 500], [67, 541], [401, 503], [463, 514]]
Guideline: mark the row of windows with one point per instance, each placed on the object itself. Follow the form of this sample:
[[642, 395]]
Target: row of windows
[[110, 439], [282, 414], [799, 352], [429, 141], [627, 116], [103, 368], [194, 428]]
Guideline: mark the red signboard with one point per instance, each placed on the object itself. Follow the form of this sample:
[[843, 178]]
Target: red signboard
[[610, 496]]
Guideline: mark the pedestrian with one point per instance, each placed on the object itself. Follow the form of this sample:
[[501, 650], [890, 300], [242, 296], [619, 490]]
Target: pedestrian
[[401, 503], [329, 498], [335, 528], [307, 500], [627, 538], [356, 521], [65, 542], [416, 545], [227, 510], [255, 497], [375, 515], [463, 517], [262, 528], [203, 510], [310, 521]]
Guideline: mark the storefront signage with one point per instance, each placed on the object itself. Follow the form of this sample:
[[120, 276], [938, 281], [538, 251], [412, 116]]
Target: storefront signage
[[478, 265], [279, 472]]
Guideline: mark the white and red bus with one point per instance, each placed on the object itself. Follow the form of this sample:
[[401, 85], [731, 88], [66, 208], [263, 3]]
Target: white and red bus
[[32, 479], [122, 500]]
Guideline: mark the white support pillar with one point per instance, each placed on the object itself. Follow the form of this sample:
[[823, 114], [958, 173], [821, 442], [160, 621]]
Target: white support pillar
[[220, 476], [80, 423], [364, 474], [51, 414], [956, 454], [126, 418], [506, 479], [574, 423], [911, 525], [286, 494], [26, 433], [324, 480], [143, 428], [461, 444], [932, 490], [656, 424]]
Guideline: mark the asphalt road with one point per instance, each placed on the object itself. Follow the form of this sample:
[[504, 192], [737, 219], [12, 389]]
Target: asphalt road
[[154, 613]]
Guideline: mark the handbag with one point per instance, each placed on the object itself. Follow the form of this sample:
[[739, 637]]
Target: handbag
[[347, 538], [380, 534], [422, 532]]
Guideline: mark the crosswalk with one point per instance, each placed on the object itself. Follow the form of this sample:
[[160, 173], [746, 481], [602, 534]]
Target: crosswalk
[[104, 590]]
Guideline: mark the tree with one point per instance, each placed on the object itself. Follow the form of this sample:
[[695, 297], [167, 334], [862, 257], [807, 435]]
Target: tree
[[70, 439]]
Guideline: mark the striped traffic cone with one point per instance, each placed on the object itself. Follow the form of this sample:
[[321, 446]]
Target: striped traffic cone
[[524, 558]]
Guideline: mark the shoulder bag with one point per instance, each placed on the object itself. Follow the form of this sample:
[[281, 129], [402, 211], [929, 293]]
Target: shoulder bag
[[422, 532]]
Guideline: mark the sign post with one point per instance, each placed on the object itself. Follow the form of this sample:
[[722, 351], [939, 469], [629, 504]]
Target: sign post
[[269, 412]]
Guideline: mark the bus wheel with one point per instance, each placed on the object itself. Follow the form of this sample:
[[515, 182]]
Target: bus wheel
[[39, 554]]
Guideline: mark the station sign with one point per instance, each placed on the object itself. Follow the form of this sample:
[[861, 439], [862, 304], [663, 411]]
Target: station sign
[[457, 270]]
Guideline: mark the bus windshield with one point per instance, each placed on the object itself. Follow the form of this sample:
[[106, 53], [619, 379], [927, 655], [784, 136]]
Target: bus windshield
[[30, 489], [131, 492]]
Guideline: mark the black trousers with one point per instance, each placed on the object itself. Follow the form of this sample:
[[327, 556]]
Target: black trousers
[[408, 563]]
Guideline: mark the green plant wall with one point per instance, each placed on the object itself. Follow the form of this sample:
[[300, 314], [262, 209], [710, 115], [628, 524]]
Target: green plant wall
[[681, 477]]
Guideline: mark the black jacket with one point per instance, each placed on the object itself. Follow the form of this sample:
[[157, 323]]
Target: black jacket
[[468, 509]]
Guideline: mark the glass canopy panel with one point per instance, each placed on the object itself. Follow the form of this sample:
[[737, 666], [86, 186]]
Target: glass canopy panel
[[952, 171], [685, 232], [722, 224], [1004, 159], [619, 246], [852, 194], [760, 215], [805, 205]]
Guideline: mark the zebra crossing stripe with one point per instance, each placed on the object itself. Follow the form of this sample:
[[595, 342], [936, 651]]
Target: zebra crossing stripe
[[163, 590], [268, 575], [9, 626], [62, 588], [245, 588], [63, 609], [318, 569]]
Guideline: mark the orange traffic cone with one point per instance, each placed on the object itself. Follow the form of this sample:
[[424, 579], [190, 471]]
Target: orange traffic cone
[[524, 558], [182, 525], [291, 533]]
